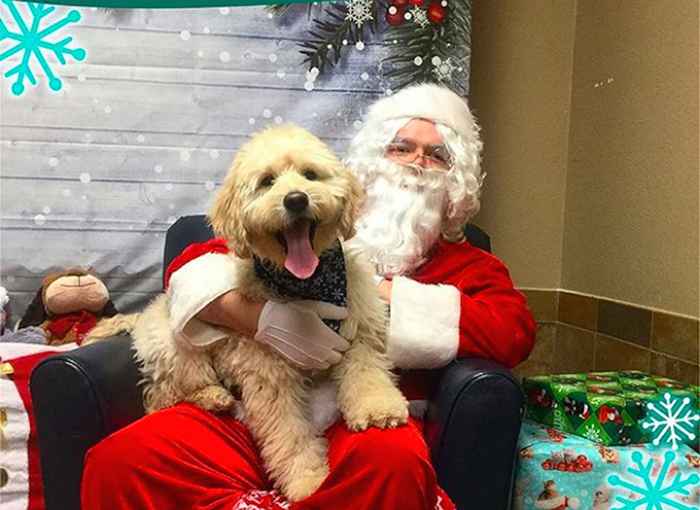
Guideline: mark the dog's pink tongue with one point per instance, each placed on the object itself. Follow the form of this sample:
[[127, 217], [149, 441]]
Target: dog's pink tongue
[[301, 260]]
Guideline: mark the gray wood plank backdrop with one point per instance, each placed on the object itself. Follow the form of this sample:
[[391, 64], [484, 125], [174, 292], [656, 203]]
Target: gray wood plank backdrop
[[143, 132]]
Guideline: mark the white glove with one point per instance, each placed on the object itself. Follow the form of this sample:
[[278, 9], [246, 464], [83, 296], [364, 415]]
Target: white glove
[[296, 331]]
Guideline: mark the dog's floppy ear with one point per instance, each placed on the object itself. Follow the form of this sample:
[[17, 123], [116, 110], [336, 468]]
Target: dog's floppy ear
[[355, 196], [224, 215], [35, 315]]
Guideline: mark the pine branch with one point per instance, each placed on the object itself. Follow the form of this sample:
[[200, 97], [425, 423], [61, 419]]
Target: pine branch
[[325, 47], [422, 44]]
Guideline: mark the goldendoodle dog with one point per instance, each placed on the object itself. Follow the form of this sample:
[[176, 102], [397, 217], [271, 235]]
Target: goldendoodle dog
[[286, 207]]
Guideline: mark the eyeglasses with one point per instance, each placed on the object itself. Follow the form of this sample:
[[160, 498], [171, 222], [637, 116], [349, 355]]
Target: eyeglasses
[[408, 151]]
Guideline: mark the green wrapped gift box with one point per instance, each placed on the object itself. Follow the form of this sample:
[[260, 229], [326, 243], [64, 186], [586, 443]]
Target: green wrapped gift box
[[610, 407]]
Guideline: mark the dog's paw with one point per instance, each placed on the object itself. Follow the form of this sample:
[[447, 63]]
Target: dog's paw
[[381, 410], [305, 483], [213, 398]]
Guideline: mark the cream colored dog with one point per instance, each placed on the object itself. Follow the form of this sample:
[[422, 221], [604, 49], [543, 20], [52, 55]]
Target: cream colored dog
[[249, 212]]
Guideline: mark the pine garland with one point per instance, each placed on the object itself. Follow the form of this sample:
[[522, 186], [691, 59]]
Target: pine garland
[[434, 52], [331, 36], [414, 59]]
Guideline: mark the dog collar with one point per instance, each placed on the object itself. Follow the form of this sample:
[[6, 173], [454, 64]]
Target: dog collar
[[328, 283]]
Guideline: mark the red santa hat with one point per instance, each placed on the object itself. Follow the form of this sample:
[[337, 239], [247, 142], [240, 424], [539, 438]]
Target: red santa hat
[[428, 101]]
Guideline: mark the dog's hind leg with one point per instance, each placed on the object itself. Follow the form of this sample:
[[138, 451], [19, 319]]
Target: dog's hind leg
[[275, 402]]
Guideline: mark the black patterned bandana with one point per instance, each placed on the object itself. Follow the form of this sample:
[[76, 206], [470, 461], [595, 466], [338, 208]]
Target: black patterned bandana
[[328, 283]]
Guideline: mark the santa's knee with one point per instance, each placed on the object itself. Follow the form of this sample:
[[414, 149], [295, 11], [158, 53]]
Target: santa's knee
[[114, 458], [393, 454], [124, 453]]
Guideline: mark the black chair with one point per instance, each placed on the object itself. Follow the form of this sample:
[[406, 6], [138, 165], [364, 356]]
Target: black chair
[[84, 395]]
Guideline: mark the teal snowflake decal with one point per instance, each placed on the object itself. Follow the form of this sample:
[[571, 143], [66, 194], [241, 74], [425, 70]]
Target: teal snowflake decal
[[671, 420], [31, 40], [660, 493]]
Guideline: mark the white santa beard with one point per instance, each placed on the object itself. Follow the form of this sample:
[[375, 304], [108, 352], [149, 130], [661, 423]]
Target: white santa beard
[[402, 216]]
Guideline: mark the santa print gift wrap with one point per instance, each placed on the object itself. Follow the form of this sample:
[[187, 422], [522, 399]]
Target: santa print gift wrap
[[21, 487], [610, 407], [557, 471]]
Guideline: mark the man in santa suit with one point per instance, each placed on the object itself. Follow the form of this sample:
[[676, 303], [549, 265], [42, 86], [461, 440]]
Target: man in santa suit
[[418, 157]]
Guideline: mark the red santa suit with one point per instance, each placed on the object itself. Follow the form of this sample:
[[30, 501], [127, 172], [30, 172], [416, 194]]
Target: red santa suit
[[461, 303]]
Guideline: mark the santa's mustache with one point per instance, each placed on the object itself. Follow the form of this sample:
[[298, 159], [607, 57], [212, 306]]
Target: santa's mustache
[[402, 216]]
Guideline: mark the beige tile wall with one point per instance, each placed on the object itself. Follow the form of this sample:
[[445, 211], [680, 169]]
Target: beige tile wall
[[578, 333]]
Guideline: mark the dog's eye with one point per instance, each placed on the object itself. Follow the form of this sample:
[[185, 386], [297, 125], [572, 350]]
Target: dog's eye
[[310, 175], [266, 181]]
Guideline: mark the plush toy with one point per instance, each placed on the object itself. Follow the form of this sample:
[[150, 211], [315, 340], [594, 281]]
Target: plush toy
[[68, 305]]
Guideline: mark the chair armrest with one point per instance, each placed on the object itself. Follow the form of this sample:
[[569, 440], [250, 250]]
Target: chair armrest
[[472, 430], [80, 397]]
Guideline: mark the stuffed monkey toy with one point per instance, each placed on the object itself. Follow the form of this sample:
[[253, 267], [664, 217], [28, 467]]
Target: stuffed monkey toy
[[68, 305]]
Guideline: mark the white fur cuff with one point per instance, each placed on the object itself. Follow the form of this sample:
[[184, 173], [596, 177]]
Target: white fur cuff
[[424, 325], [192, 287]]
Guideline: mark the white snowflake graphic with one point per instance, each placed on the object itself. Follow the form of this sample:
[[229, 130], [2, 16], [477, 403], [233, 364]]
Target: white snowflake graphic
[[443, 69], [359, 11], [671, 420], [419, 16], [660, 493], [32, 41], [592, 432]]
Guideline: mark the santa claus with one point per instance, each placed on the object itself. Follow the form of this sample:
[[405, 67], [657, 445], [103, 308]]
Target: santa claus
[[418, 157]]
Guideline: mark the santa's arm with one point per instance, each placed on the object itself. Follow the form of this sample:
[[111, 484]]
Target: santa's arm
[[202, 273], [483, 317]]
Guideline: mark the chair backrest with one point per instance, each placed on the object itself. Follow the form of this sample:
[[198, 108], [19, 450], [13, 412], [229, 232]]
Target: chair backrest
[[196, 229], [185, 231]]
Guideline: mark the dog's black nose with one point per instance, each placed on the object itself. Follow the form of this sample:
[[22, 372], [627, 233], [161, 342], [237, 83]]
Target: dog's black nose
[[296, 201]]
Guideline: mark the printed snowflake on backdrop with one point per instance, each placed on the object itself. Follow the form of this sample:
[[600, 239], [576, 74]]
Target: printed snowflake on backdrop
[[419, 16], [443, 69], [359, 11], [671, 420], [31, 40], [649, 493]]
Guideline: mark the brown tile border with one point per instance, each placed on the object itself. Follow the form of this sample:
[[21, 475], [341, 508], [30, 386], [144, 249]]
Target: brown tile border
[[578, 310], [675, 368], [588, 331], [543, 304], [574, 350], [675, 335], [614, 354], [626, 322]]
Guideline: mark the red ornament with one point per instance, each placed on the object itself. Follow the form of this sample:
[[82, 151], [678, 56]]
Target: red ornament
[[400, 3], [394, 15], [436, 12], [419, 3]]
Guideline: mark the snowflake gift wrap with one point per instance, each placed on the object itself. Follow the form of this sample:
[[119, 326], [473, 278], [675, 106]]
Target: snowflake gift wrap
[[560, 471], [616, 408]]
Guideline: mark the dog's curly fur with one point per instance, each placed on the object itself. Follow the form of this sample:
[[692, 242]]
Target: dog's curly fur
[[249, 214]]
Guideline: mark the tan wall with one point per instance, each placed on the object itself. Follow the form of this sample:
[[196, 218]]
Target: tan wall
[[604, 202], [522, 55], [631, 227]]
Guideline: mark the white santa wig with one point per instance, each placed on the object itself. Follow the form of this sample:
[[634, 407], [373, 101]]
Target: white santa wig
[[459, 130]]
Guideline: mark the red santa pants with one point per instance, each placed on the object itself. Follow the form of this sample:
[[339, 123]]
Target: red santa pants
[[187, 458]]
